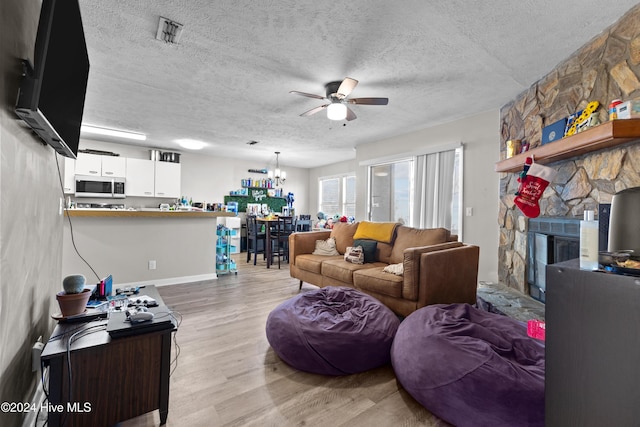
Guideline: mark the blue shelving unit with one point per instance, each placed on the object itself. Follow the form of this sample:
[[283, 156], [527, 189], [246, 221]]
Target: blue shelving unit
[[224, 263]]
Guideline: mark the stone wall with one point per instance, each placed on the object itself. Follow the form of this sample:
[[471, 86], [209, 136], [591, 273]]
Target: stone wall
[[606, 68]]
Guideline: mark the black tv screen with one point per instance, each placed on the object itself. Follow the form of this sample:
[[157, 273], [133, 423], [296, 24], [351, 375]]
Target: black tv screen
[[51, 96]]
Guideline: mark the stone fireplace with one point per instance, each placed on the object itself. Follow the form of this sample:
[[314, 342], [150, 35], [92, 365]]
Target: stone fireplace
[[606, 68]]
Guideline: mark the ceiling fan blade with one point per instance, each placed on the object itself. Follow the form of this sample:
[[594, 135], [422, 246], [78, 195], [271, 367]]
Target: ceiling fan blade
[[314, 110], [308, 95], [368, 101], [346, 87], [351, 115]]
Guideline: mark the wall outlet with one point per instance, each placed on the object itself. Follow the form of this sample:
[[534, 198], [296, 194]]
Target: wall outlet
[[152, 264], [469, 211]]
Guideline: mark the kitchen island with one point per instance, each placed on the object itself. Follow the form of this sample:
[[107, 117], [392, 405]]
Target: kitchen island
[[141, 247]]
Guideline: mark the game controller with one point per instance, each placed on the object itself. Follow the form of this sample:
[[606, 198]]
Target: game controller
[[150, 302], [139, 315]]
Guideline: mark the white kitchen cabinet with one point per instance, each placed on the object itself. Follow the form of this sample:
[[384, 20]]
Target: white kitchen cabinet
[[167, 179], [113, 166], [69, 181], [88, 164], [95, 165], [140, 178]]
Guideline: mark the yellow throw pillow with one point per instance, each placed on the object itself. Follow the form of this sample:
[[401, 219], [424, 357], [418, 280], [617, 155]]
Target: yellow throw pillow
[[379, 231]]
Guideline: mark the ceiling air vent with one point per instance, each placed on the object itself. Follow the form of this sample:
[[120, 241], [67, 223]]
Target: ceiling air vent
[[169, 31]]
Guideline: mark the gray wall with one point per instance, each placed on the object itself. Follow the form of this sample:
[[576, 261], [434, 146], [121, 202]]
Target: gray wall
[[481, 138], [30, 224]]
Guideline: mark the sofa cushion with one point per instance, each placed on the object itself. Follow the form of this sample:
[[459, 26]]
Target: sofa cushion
[[379, 231], [368, 248], [375, 280], [407, 237], [339, 269], [383, 252], [313, 263], [343, 233]]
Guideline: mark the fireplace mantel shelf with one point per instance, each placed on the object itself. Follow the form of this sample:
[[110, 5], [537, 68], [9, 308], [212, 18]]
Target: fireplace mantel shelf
[[606, 135]]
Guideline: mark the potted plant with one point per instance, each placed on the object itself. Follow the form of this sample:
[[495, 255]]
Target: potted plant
[[73, 300]]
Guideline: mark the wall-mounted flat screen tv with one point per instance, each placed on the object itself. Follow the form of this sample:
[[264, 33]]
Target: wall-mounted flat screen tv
[[52, 93]]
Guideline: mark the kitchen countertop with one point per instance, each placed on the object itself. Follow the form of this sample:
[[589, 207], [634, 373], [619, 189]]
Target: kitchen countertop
[[146, 213]]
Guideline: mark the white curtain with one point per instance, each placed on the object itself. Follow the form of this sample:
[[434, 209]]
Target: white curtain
[[434, 189]]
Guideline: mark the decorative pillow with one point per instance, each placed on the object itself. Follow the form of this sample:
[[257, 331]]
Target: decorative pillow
[[397, 269], [379, 231], [354, 255], [368, 247], [326, 247]]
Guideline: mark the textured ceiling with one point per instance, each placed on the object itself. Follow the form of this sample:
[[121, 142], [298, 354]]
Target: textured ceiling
[[228, 80]]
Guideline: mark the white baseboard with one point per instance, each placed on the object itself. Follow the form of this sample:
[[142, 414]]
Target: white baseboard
[[171, 280]]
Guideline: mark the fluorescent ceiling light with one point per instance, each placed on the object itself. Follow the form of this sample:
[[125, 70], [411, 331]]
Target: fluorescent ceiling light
[[191, 144], [112, 132]]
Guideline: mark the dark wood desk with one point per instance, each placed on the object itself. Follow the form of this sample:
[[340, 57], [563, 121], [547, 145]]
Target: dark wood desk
[[112, 379]]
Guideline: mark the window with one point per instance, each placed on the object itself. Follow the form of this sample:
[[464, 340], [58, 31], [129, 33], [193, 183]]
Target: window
[[390, 191], [424, 191], [338, 195], [439, 190]]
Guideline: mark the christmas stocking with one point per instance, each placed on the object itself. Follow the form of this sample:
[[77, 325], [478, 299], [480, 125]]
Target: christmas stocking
[[532, 186]]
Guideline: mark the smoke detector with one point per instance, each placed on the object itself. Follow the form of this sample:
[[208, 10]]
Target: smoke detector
[[169, 31]]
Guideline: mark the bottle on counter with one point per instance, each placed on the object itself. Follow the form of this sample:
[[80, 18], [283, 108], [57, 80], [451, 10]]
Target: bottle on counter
[[588, 242]]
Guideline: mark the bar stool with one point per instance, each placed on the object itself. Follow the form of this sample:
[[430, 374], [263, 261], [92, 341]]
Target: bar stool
[[256, 239], [280, 238]]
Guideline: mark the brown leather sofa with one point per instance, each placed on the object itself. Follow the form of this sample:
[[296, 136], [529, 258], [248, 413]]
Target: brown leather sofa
[[437, 268]]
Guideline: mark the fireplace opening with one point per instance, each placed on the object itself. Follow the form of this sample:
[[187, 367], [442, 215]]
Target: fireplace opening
[[556, 239], [549, 240]]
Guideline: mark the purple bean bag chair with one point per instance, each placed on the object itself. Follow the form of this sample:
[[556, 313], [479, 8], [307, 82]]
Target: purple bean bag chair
[[332, 331], [471, 367]]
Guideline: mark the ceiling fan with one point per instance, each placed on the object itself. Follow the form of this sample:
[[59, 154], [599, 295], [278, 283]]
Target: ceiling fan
[[337, 93]]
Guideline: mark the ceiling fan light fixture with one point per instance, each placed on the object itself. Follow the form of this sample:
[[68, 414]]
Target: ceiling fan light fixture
[[337, 111]]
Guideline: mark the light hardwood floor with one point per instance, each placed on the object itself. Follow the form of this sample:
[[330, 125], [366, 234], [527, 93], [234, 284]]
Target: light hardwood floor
[[228, 375]]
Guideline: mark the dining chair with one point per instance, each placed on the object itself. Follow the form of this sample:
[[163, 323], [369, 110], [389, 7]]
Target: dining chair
[[256, 239], [280, 238], [303, 223]]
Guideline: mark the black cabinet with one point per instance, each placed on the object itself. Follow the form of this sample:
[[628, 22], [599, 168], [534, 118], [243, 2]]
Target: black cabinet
[[592, 348]]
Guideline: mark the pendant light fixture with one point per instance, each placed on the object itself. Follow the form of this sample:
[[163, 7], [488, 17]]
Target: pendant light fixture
[[278, 176]]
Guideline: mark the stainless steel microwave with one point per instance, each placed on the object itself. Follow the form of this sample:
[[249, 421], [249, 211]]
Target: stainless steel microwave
[[100, 186]]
